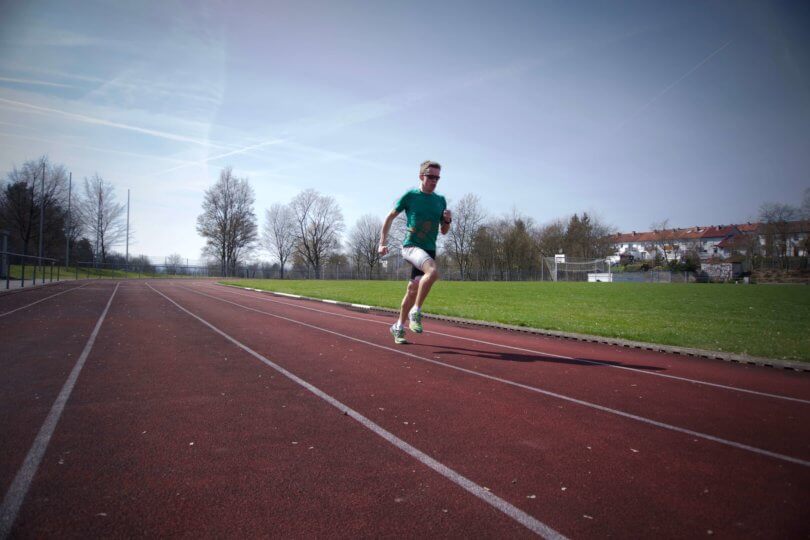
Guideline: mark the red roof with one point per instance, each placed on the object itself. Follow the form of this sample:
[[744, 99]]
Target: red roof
[[722, 231], [748, 227], [726, 232]]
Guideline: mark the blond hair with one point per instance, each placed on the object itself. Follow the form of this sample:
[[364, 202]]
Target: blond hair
[[423, 168]]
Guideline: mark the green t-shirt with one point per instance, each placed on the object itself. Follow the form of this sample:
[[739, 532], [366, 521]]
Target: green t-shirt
[[424, 214]]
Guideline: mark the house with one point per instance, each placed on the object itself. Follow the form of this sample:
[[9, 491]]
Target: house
[[716, 242]]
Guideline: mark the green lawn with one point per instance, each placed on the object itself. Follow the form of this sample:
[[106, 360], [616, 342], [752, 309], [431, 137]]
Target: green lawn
[[760, 320], [15, 271]]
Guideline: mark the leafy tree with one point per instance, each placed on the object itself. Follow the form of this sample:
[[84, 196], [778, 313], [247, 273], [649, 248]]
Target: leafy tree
[[22, 200], [586, 237], [228, 222], [83, 251]]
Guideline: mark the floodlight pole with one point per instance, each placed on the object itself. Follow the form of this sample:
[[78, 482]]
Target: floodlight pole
[[127, 256], [98, 226], [67, 228], [41, 212]]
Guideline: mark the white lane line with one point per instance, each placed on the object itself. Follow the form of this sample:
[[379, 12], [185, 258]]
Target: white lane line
[[513, 512], [41, 300], [617, 412], [22, 481], [290, 295], [533, 351]]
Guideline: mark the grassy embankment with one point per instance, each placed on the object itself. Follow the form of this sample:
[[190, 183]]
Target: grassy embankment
[[15, 271], [759, 320]]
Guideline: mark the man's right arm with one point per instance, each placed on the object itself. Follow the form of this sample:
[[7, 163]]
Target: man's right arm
[[382, 249]]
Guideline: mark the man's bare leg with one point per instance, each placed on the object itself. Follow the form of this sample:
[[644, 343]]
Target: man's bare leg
[[431, 276], [408, 301]]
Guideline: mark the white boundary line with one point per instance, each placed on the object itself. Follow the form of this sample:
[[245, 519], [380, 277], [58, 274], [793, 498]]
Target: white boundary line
[[617, 412], [533, 351], [493, 500], [22, 481], [41, 300]]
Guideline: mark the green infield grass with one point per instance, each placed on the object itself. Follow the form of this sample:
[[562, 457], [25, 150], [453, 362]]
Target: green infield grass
[[761, 320]]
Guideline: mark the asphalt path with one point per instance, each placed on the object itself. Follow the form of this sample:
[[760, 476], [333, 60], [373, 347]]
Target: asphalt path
[[187, 408]]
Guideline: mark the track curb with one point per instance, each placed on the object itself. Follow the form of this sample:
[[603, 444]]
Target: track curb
[[683, 351]]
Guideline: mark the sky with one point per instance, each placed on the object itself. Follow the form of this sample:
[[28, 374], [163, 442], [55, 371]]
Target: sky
[[693, 111]]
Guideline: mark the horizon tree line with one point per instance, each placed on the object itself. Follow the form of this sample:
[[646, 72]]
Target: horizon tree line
[[86, 218], [305, 235]]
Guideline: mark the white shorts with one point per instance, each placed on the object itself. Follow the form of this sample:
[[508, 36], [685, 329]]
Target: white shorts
[[416, 256]]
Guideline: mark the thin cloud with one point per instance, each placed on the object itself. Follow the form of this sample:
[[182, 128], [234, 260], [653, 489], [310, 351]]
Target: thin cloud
[[19, 105], [39, 83], [226, 154]]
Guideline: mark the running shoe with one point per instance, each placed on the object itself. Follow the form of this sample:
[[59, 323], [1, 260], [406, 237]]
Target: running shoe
[[399, 334], [415, 321]]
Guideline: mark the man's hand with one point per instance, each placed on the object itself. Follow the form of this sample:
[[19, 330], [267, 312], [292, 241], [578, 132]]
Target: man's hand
[[382, 249], [447, 216]]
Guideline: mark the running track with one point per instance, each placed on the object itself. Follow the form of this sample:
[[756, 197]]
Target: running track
[[180, 408]]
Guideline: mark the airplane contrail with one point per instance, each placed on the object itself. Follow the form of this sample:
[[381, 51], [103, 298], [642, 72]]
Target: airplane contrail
[[102, 122], [670, 87], [226, 154], [31, 81]]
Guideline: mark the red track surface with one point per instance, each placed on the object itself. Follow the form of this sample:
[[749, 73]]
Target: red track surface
[[173, 429]]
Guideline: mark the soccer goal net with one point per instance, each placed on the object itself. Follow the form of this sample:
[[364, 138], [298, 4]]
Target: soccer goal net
[[571, 269]]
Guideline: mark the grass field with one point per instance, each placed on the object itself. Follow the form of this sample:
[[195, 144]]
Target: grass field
[[15, 271], [761, 320]]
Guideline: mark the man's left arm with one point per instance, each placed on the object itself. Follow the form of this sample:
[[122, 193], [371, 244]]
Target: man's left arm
[[447, 219]]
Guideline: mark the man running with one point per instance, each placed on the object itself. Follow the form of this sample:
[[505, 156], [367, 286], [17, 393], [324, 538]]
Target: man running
[[427, 214]]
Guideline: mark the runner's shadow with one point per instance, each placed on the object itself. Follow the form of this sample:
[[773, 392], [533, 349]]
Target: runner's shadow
[[517, 357]]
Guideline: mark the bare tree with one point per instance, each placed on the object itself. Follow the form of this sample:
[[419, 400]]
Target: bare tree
[[663, 241], [363, 243], [102, 217], [173, 263], [775, 219], [22, 200], [318, 224], [468, 216], [279, 234], [228, 222], [806, 204], [550, 238]]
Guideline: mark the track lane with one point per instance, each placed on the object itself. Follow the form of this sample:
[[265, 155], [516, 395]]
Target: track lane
[[11, 303], [18, 490], [172, 430], [39, 348], [494, 434], [786, 384], [769, 424]]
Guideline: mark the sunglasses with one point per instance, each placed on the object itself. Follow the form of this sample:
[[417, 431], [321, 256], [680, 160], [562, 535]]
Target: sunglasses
[[431, 177]]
